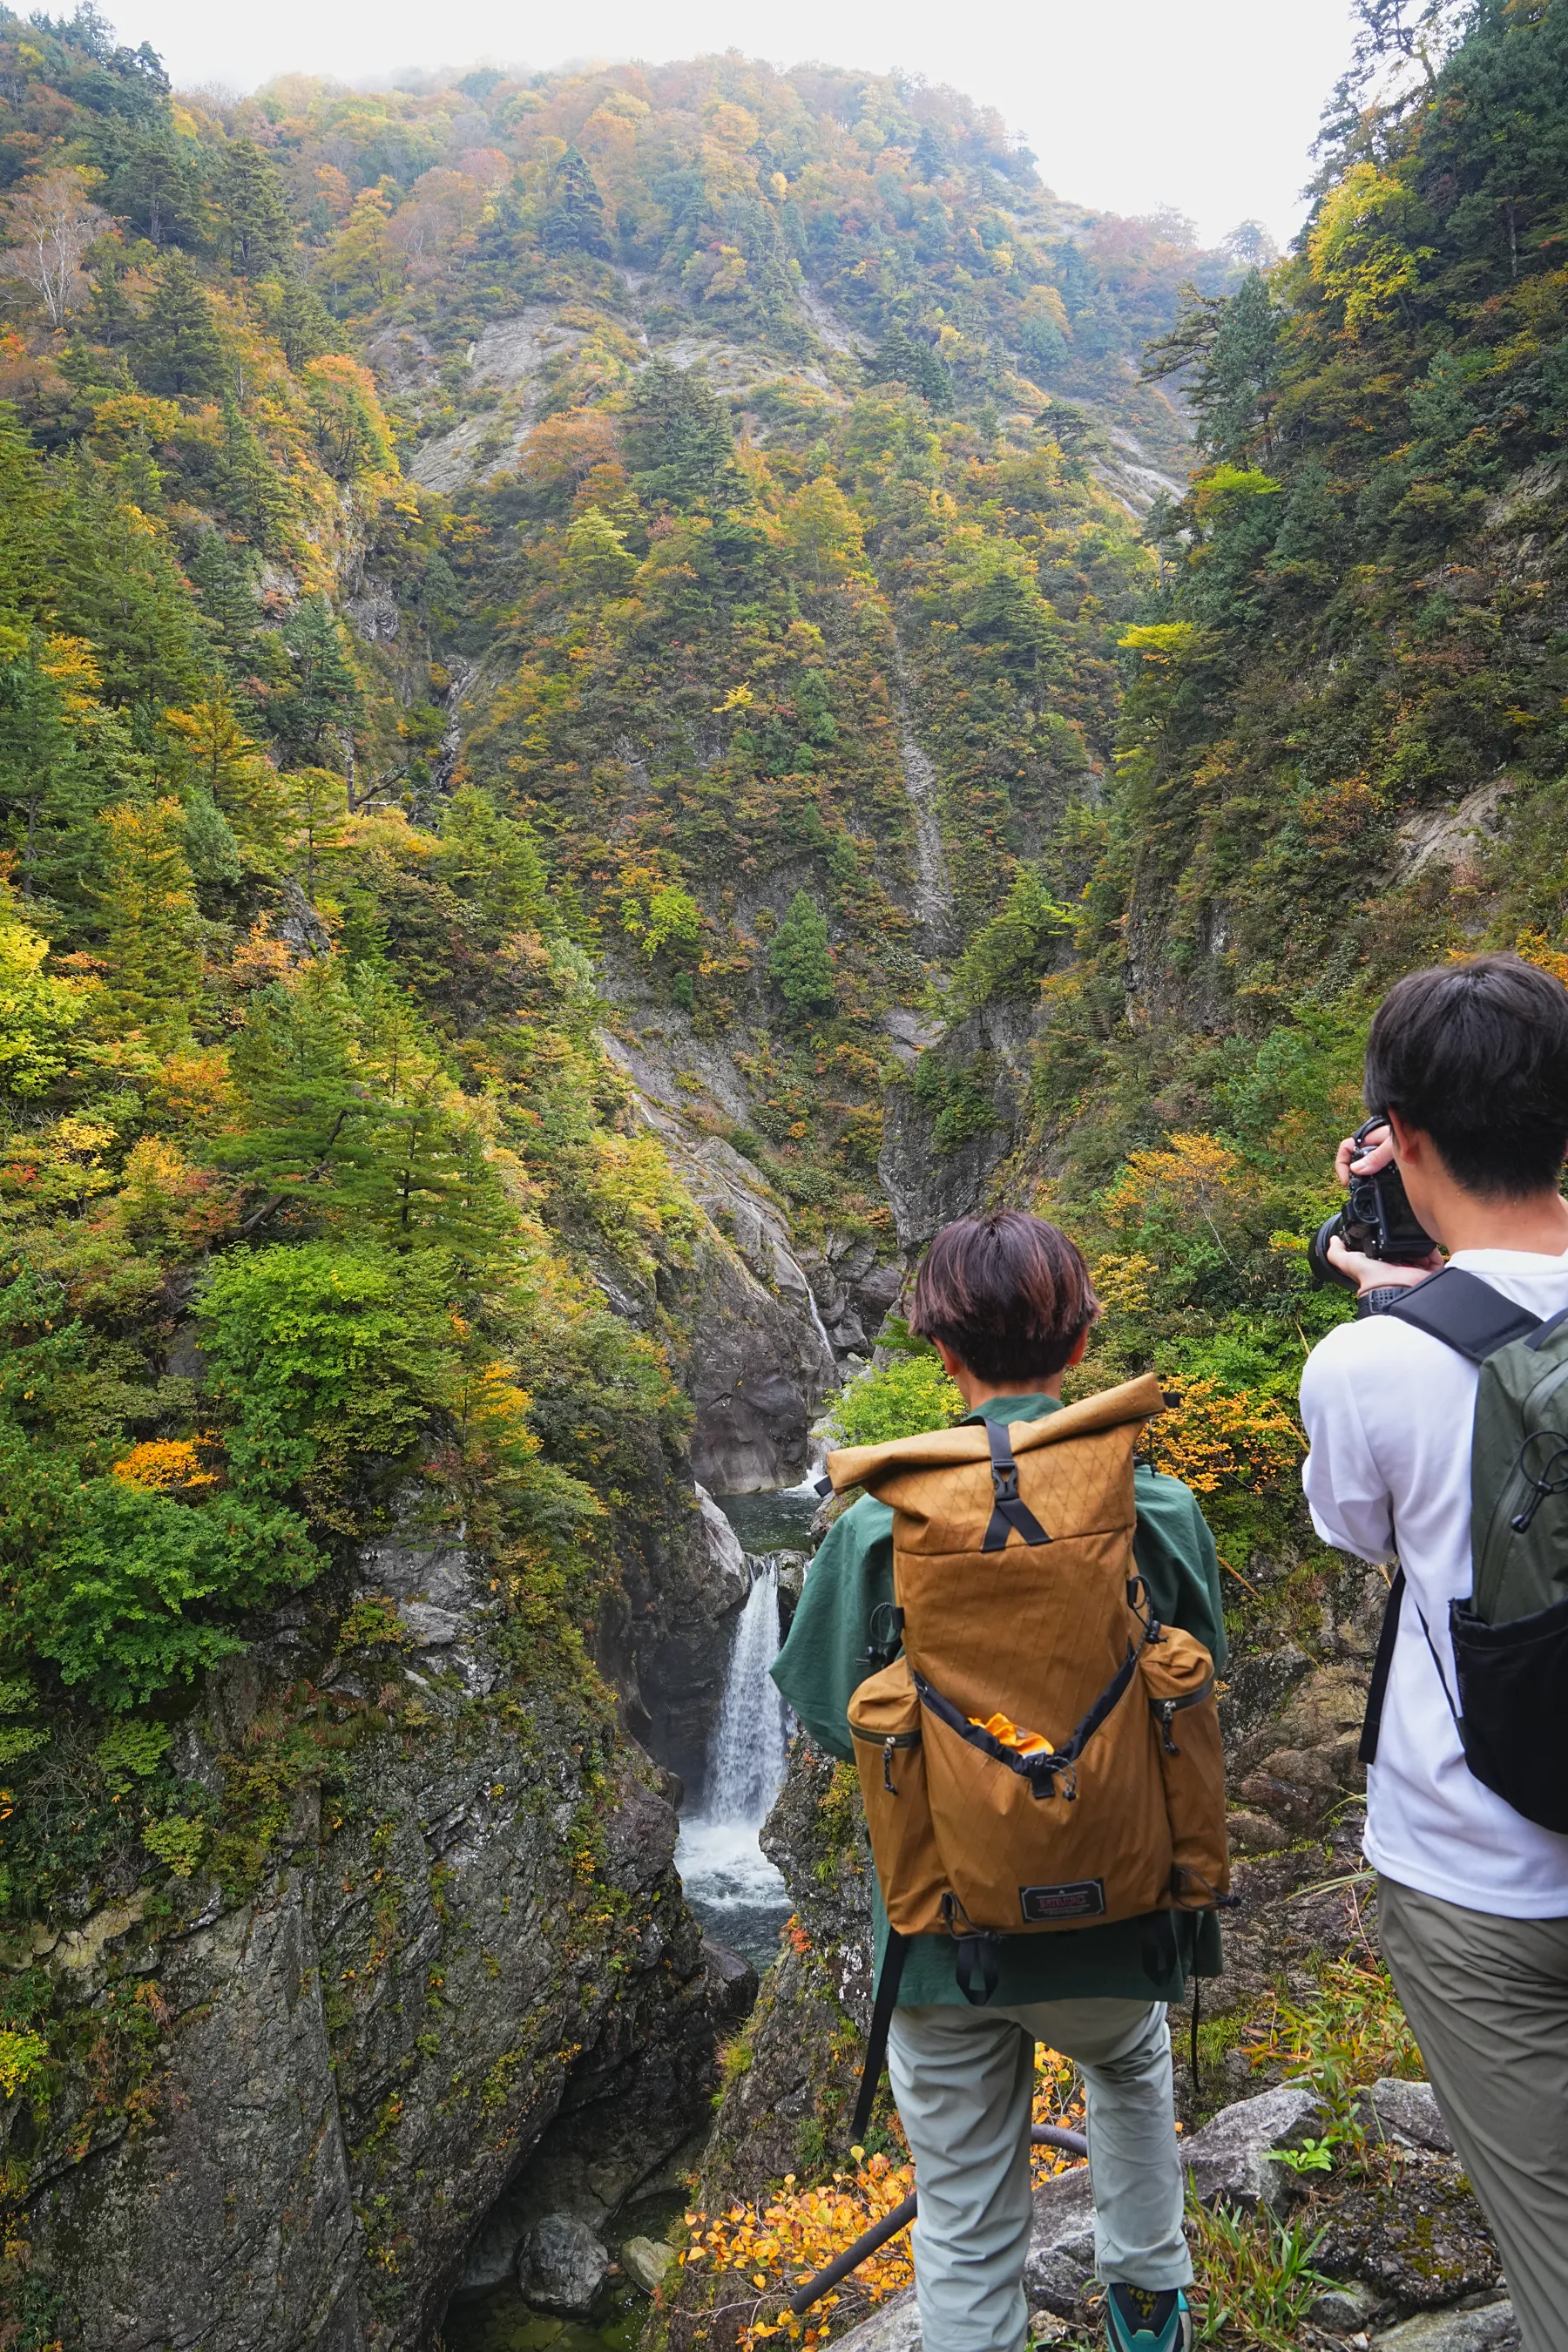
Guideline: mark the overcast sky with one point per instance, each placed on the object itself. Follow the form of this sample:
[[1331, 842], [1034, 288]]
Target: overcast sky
[[1209, 105]]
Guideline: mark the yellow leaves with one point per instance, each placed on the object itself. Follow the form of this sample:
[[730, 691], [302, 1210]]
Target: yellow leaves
[[71, 663], [739, 697], [1359, 252], [1212, 1438], [1532, 946], [21, 2057], [169, 1465], [1123, 1282], [1192, 1175]]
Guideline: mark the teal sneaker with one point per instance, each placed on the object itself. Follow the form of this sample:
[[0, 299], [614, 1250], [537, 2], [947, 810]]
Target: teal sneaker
[[1140, 2319]]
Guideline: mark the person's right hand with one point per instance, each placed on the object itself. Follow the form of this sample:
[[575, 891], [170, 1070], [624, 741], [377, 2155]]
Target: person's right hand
[[1369, 1157]]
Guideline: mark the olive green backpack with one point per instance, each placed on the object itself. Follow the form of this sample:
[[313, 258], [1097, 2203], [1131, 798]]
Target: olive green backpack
[[1510, 1635]]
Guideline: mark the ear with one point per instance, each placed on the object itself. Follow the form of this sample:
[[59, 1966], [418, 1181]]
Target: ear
[[951, 1364], [1407, 1140], [1079, 1348]]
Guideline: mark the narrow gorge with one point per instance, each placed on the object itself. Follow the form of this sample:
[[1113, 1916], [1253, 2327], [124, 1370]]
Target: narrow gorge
[[621, 690]]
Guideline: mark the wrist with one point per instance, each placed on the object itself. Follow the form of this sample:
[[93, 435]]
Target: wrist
[[1379, 1296]]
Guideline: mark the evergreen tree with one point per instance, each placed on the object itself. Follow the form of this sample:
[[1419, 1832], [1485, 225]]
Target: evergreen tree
[[155, 181], [176, 348], [220, 759], [574, 222], [253, 489], [317, 800], [224, 576], [149, 911], [111, 316], [904, 359], [798, 962], [492, 861], [302, 323], [257, 231], [681, 439], [322, 696], [117, 584]]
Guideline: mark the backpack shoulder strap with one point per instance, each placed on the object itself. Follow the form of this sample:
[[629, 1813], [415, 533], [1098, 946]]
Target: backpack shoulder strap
[[1466, 1313]]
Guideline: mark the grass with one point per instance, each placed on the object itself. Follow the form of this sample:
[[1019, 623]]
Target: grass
[[1255, 2281]]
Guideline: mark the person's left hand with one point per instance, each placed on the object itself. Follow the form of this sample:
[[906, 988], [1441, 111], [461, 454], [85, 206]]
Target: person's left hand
[[1378, 1273]]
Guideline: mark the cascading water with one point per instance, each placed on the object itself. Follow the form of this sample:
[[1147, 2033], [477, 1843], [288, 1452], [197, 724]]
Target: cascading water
[[730, 1883]]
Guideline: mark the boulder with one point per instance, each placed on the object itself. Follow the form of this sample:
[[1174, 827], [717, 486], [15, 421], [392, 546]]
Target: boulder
[[1229, 2160], [1409, 2113], [1341, 2309], [732, 1985], [562, 2266], [1059, 2266], [1490, 2328], [644, 2262]]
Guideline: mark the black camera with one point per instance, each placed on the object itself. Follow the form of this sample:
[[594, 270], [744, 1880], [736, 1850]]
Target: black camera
[[1376, 1220]]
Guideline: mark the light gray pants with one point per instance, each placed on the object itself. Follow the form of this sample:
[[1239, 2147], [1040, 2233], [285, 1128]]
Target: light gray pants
[[1488, 1999], [964, 2081]]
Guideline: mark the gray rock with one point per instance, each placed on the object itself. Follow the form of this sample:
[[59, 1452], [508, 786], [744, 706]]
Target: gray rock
[[644, 2262], [729, 1576], [732, 1985], [1341, 2309], [1409, 2113], [895, 2328], [1492, 2328], [562, 2266], [1061, 2260], [1229, 2158], [431, 1628]]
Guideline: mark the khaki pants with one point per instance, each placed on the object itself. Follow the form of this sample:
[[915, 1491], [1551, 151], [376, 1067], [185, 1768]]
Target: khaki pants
[[1488, 1999], [964, 2081]]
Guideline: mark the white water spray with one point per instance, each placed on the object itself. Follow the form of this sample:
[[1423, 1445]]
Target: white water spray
[[733, 1887]]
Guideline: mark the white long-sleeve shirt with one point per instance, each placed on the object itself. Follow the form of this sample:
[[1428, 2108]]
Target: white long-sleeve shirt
[[1388, 1411]]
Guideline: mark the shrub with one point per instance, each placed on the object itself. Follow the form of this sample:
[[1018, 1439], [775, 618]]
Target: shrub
[[912, 1395]]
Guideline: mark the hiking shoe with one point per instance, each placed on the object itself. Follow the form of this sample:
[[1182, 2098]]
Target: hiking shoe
[[1142, 2319]]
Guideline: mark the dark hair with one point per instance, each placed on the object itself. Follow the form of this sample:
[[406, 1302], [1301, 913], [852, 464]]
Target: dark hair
[[1476, 1055], [1008, 1293]]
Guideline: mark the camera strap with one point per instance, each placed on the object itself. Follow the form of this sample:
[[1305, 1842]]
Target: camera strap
[[1466, 1313]]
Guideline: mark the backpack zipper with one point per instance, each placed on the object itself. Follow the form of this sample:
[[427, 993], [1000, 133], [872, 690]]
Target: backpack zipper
[[1165, 1708], [893, 1740]]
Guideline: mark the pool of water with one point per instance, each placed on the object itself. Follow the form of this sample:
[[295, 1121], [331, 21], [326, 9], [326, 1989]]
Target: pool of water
[[500, 2321], [778, 1519], [733, 1888]]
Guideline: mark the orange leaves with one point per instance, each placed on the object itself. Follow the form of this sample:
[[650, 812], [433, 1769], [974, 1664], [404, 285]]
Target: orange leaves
[[169, 1465], [1192, 1174], [770, 2249], [1212, 1438], [775, 2248]]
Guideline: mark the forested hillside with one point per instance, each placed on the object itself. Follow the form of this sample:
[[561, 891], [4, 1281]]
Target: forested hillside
[[618, 690]]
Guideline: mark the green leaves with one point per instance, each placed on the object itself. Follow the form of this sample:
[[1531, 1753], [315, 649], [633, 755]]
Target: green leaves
[[798, 962]]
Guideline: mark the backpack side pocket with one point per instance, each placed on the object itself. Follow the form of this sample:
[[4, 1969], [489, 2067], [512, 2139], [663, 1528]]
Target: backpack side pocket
[[1178, 1680], [890, 1756]]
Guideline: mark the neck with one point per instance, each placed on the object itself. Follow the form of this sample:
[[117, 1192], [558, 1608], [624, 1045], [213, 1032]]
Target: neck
[[1538, 1224], [976, 1392]]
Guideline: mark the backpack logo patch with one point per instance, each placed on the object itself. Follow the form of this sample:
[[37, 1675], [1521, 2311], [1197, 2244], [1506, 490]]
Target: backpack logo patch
[[1081, 1898]]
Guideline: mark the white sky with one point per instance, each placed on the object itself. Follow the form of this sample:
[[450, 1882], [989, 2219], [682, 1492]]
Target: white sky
[[1209, 105]]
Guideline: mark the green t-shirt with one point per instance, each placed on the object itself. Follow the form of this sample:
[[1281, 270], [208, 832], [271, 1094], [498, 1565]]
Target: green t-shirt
[[825, 1658]]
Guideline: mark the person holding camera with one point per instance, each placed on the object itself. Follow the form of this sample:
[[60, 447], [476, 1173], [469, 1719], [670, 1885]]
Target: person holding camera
[[1437, 1424], [1008, 1303]]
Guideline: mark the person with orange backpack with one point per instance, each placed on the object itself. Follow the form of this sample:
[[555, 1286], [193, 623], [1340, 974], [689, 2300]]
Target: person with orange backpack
[[1014, 1634]]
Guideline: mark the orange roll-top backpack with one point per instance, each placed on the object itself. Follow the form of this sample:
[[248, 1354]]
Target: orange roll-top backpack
[[1043, 1755]]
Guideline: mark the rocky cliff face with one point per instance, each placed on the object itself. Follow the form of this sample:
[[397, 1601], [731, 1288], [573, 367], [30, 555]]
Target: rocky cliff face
[[300, 2098]]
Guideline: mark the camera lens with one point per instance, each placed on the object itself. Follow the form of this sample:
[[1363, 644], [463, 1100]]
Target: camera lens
[[1317, 1253]]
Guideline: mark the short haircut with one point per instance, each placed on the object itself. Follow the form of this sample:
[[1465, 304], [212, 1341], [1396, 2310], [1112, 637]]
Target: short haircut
[[1476, 1055], [1008, 1293]]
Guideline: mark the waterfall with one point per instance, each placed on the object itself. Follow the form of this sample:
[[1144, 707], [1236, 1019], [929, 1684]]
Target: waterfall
[[746, 1767], [730, 1883]]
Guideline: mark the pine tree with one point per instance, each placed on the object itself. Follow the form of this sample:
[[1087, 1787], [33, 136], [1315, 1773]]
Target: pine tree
[[258, 232], [220, 758], [904, 359], [324, 694], [303, 324], [224, 576], [681, 441], [492, 861], [317, 800], [253, 489], [574, 222], [176, 350], [798, 962], [154, 963]]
